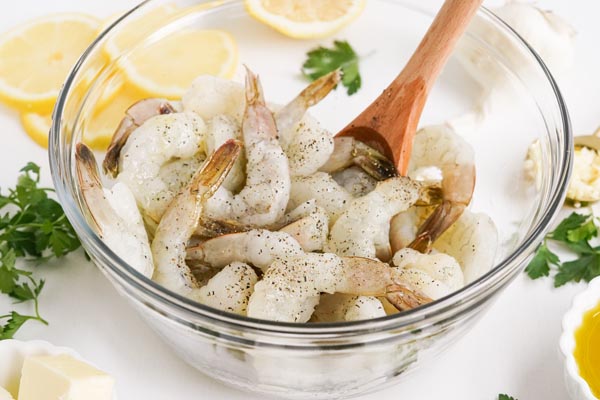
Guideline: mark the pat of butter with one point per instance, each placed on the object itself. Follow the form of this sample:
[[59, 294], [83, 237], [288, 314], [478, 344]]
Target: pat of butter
[[63, 378], [4, 395]]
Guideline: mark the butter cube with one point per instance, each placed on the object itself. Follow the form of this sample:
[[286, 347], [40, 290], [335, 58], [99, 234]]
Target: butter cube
[[4, 395], [63, 378]]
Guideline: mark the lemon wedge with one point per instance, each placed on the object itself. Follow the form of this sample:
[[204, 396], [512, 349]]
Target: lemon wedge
[[303, 19], [167, 68], [35, 59], [37, 126], [133, 32]]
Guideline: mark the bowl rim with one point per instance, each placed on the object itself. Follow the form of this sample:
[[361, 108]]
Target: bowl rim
[[570, 323], [484, 286]]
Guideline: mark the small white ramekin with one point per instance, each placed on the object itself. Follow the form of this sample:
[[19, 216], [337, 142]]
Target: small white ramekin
[[12, 356], [576, 386]]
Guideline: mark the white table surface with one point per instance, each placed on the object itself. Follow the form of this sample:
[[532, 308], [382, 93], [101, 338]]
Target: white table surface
[[513, 349]]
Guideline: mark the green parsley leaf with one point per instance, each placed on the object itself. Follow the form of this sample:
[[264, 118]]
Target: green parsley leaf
[[14, 323], [574, 233], [505, 397], [540, 264], [322, 61], [572, 222], [583, 232], [34, 226]]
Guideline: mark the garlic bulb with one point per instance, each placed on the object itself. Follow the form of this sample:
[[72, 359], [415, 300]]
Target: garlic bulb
[[547, 33]]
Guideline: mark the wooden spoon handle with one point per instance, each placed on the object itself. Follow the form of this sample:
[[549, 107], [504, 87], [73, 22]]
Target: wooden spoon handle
[[394, 115], [438, 43]]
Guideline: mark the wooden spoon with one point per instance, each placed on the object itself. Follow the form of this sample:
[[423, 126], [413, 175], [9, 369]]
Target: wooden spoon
[[390, 122]]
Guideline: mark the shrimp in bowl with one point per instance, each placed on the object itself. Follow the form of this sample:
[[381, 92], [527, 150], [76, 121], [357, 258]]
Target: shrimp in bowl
[[256, 209]]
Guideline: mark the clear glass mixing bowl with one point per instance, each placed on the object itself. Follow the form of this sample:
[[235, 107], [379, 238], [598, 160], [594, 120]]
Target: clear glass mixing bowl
[[345, 359]]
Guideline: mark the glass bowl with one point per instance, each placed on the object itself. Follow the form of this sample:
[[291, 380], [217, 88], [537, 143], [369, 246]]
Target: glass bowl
[[342, 359]]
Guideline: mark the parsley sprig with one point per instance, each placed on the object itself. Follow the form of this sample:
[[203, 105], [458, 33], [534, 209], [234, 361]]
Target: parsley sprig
[[574, 233], [505, 397], [32, 226], [322, 61]]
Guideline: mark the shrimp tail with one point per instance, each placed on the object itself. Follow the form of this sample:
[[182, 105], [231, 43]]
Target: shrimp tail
[[436, 224], [208, 179], [348, 151], [88, 176], [373, 162], [403, 298], [457, 191], [135, 116], [254, 91], [319, 89]]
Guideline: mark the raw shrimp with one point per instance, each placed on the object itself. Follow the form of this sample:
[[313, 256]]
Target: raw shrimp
[[472, 241], [321, 187], [290, 289], [434, 275], [135, 116], [310, 231], [210, 96], [115, 214], [222, 128], [363, 228], [349, 151], [441, 147], [306, 144], [355, 180], [288, 117], [230, 289], [181, 218], [343, 307], [258, 247], [157, 142], [263, 199]]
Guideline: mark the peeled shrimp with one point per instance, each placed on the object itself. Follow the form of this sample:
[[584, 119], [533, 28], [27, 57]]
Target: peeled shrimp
[[115, 214], [222, 128], [153, 145], [434, 275], [135, 116], [349, 151], [310, 231], [230, 289], [306, 144], [258, 247], [363, 228], [355, 180], [263, 199], [290, 289], [210, 96], [441, 147], [181, 218], [321, 187], [472, 241], [343, 307], [291, 114]]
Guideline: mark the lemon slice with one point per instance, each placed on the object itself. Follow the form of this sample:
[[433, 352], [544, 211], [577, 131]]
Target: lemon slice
[[37, 126], [304, 19], [35, 58], [130, 34], [168, 67], [104, 120]]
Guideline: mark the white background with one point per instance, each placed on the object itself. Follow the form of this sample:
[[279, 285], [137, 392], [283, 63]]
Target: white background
[[513, 349]]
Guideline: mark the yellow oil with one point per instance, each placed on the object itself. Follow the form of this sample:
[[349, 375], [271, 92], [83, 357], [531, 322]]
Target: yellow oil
[[587, 349]]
